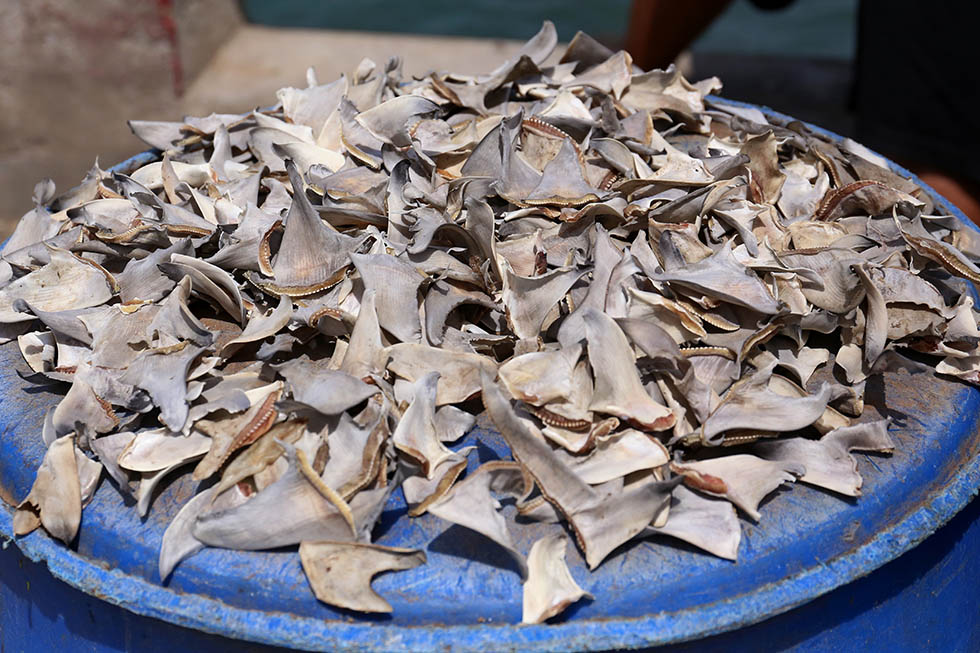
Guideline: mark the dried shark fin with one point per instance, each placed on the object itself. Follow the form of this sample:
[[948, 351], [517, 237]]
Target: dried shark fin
[[721, 276], [365, 354], [562, 182], [340, 573], [395, 284], [606, 256], [618, 390], [470, 504], [260, 327], [265, 451], [827, 461], [416, 433], [231, 433], [743, 479], [163, 375], [601, 522], [540, 377], [459, 372], [328, 391], [549, 587], [529, 299], [751, 404], [420, 492], [298, 507], [618, 455], [313, 256], [214, 282], [153, 450], [709, 524], [179, 542], [55, 499], [67, 282], [390, 121], [174, 323]]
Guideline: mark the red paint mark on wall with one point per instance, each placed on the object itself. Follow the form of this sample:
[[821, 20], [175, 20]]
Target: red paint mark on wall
[[165, 12]]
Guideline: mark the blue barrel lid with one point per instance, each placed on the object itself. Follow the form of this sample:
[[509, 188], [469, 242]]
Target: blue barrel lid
[[468, 595]]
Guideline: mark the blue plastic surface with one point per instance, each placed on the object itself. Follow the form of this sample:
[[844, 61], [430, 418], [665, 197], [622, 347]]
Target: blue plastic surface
[[468, 596], [887, 610]]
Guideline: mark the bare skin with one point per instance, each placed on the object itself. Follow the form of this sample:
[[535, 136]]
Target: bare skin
[[651, 47], [963, 193]]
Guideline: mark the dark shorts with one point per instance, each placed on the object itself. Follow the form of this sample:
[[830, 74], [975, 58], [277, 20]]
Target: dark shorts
[[916, 94]]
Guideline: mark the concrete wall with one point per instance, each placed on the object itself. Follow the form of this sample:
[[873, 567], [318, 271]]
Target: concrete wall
[[72, 73]]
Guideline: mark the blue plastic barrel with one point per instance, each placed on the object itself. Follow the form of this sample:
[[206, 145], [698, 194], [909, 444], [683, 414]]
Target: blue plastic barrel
[[817, 573]]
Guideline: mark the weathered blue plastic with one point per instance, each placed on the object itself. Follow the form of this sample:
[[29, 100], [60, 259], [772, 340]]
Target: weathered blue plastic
[[468, 596]]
